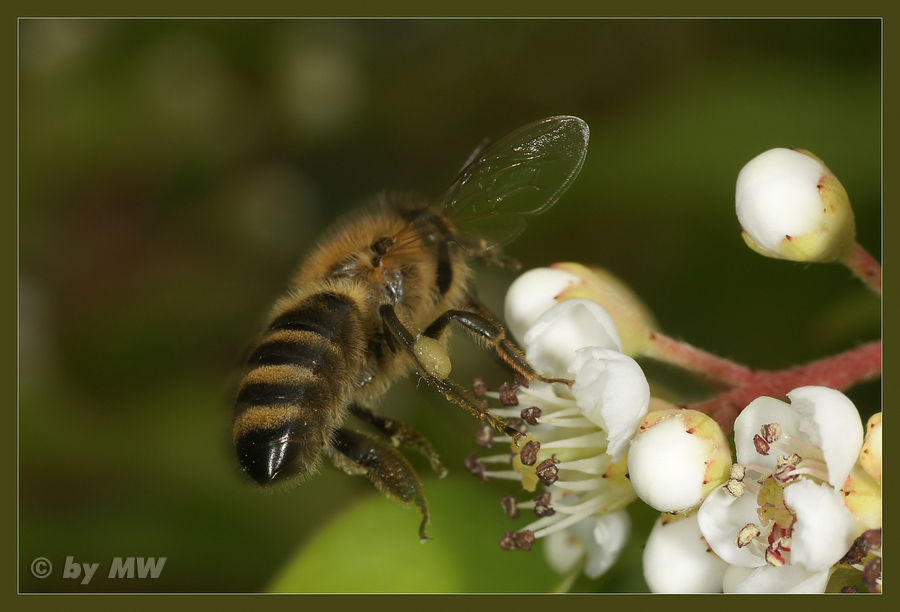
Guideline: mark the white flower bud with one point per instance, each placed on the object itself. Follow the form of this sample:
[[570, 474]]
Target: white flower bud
[[677, 458], [870, 456], [791, 206], [531, 295], [678, 560]]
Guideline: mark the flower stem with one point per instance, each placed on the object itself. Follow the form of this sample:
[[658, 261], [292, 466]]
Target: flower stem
[[837, 372], [863, 265], [692, 359]]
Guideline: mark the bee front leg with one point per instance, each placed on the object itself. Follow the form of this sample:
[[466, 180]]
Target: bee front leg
[[434, 366], [390, 472], [401, 434], [479, 321]]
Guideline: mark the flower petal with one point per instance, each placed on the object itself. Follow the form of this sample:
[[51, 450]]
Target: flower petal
[[759, 412], [601, 538], [677, 559], [831, 422], [612, 391], [533, 294], [551, 342], [771, 579], [824, 529], [720, 518]]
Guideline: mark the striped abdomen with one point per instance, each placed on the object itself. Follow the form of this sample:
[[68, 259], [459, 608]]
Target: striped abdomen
[[300, 379]]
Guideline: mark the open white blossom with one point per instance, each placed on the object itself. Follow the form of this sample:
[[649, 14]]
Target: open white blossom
[[596, 542], [573, 440], [787, 514]]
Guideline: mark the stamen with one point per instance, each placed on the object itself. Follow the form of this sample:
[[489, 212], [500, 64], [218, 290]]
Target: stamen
[[508, 503], [547, 471], [573, 422], [589, 465], [734, 487], [771, 432], [588, 508], [485, 436], [502, 475], [542, 506], [524, 539], [531, 415], [595, 439], [774, 558], [480, 387], [588, 484], [517, 424], [746, 535], [496, 459], [508, 395], [529, 452], [475, 466]]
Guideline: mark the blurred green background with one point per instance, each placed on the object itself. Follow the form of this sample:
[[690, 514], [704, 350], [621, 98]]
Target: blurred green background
[[172, 172]]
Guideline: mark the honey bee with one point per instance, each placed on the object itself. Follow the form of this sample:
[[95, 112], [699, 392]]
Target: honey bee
[[374, 300]]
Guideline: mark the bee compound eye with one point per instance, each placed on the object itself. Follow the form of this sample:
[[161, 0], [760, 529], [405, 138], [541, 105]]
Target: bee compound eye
[[268, 455]]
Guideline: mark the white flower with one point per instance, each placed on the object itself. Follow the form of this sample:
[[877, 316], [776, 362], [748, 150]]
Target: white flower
[[786, 514], [597, 541], [678, 560], [791, 206], [575, 438]]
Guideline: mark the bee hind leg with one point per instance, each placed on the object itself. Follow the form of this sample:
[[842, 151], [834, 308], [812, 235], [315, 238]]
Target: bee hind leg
[[395, 330], [479, 321], [390, 472], [401, 434]]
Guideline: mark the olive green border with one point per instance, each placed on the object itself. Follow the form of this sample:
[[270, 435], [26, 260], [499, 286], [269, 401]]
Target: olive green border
[[459, 8]]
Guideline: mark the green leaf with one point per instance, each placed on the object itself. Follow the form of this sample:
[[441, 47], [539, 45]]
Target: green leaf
[[373, 547]]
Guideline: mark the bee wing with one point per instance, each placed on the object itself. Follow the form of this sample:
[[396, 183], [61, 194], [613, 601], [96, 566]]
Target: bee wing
[[525, 173]]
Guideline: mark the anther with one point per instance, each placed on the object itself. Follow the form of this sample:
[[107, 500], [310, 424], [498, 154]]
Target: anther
[[771, 432], [508, 503], [542, 506], [524, 539], [529, 452], [485, 436], [746, 535], [479, 387], [531, 415], [508, 395], [547, 472], [475, 466], [734, 487]]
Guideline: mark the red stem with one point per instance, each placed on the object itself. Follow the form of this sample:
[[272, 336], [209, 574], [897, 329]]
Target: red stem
[[864, 266], [698, 361], [837, 372]]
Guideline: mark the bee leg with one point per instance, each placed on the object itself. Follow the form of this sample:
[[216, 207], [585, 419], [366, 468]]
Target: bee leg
[[393, 327], [390, 472], [479, 321], [401, 434]]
